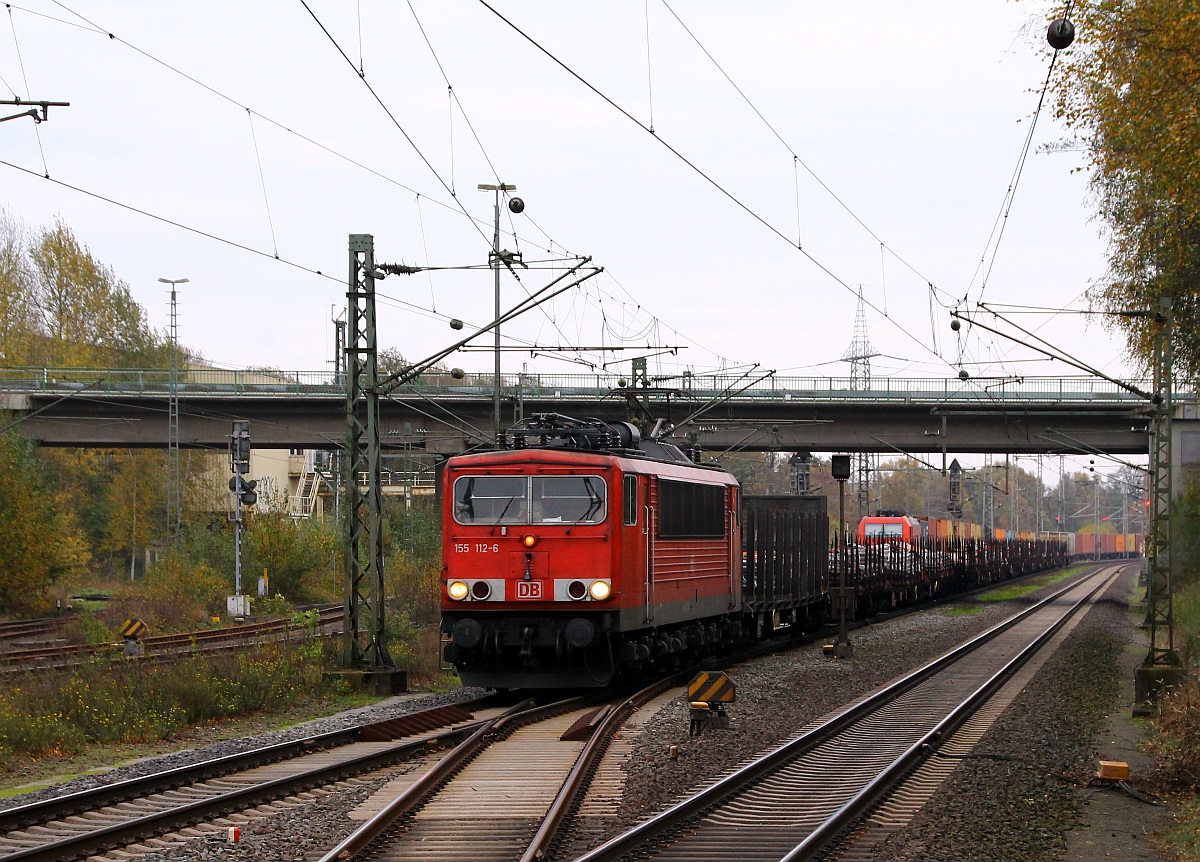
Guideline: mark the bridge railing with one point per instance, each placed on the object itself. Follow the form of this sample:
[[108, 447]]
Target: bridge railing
[[583, 387]]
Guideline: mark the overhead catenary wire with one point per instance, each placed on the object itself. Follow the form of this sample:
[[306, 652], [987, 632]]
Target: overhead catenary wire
[[8, 87], [383, 298], [455, 100], [93, 27], [615, 320], [649, 68], [698, 170], [164, 220], [25, 77], [425, 247], [796, 158], [391, 116], [263, 179], [1001, 222]]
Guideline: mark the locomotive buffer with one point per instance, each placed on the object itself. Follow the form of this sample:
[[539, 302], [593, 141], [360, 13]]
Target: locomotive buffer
[[707, 693]]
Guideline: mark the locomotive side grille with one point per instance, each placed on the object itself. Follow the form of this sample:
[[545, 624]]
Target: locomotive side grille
[[685, 559]]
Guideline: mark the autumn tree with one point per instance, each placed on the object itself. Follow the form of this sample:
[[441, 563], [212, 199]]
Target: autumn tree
[[1128, 88], [18, 311], [296, 555], [40, 543], [86, 313], [61, 307]]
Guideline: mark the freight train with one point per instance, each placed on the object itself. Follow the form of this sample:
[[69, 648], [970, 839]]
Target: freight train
[[579, 552]]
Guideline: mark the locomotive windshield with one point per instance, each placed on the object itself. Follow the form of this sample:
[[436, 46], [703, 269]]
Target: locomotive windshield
[[883, 530], [530, 500]]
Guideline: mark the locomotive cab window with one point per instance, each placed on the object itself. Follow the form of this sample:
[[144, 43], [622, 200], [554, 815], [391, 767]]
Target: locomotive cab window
[[568, 499], [491, 500], [876, 531], [509, 500]]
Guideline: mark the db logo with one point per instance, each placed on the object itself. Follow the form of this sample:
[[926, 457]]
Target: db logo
[[529, 589]]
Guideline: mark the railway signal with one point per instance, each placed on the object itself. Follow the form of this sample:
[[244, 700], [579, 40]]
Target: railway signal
[[245, 493], [244, 489]]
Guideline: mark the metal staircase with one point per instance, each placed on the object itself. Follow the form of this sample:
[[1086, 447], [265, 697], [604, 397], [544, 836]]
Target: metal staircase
[[303, 503]]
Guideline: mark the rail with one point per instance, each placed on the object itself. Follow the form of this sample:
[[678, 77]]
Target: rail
[[413, 735], [202, 382], [856, 788]]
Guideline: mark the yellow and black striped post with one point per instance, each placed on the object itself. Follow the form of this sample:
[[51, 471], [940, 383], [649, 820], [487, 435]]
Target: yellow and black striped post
[[132, 629], [707, 693]]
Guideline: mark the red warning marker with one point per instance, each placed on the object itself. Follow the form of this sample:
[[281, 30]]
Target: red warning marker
[[234, 835]]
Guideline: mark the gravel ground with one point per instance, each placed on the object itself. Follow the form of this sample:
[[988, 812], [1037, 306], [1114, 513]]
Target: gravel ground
[[995, 810], [1052, 727], [1049, 731]]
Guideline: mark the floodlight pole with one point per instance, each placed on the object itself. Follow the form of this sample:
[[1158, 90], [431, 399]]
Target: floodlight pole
[[174, 489]]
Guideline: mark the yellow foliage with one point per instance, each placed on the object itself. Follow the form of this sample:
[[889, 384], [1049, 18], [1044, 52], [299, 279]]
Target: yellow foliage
[[1128, 87]]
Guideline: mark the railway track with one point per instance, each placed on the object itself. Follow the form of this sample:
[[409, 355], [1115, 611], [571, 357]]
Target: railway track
[[16, 629], [463, 806], [85, 823], [165, 647], [804, 796], [502, 795]]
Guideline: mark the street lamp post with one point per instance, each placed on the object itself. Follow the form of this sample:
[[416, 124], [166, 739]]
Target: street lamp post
[[496, 262], [174, 494]]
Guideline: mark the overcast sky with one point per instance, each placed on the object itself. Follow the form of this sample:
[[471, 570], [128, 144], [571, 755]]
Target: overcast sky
[[881, 137]]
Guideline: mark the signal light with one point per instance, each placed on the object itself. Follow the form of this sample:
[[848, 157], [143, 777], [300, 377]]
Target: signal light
[[244, 489], [457, 590], [239, 448], [529, 541], [600, 590]]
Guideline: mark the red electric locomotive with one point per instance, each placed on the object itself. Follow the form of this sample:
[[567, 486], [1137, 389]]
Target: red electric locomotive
[[890, 528], [579, 548]]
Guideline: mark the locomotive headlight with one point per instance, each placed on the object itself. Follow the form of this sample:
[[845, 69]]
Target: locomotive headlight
[[457, 590], [600, 590], [529, 541]]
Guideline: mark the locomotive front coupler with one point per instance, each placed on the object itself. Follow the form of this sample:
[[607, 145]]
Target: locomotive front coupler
[[528, 633]]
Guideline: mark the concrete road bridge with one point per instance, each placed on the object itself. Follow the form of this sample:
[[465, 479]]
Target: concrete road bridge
[[442, 415]]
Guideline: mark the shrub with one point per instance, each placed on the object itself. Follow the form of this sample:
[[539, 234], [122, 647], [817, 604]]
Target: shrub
[[118, 701], [179, 594], [1176, 741]]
